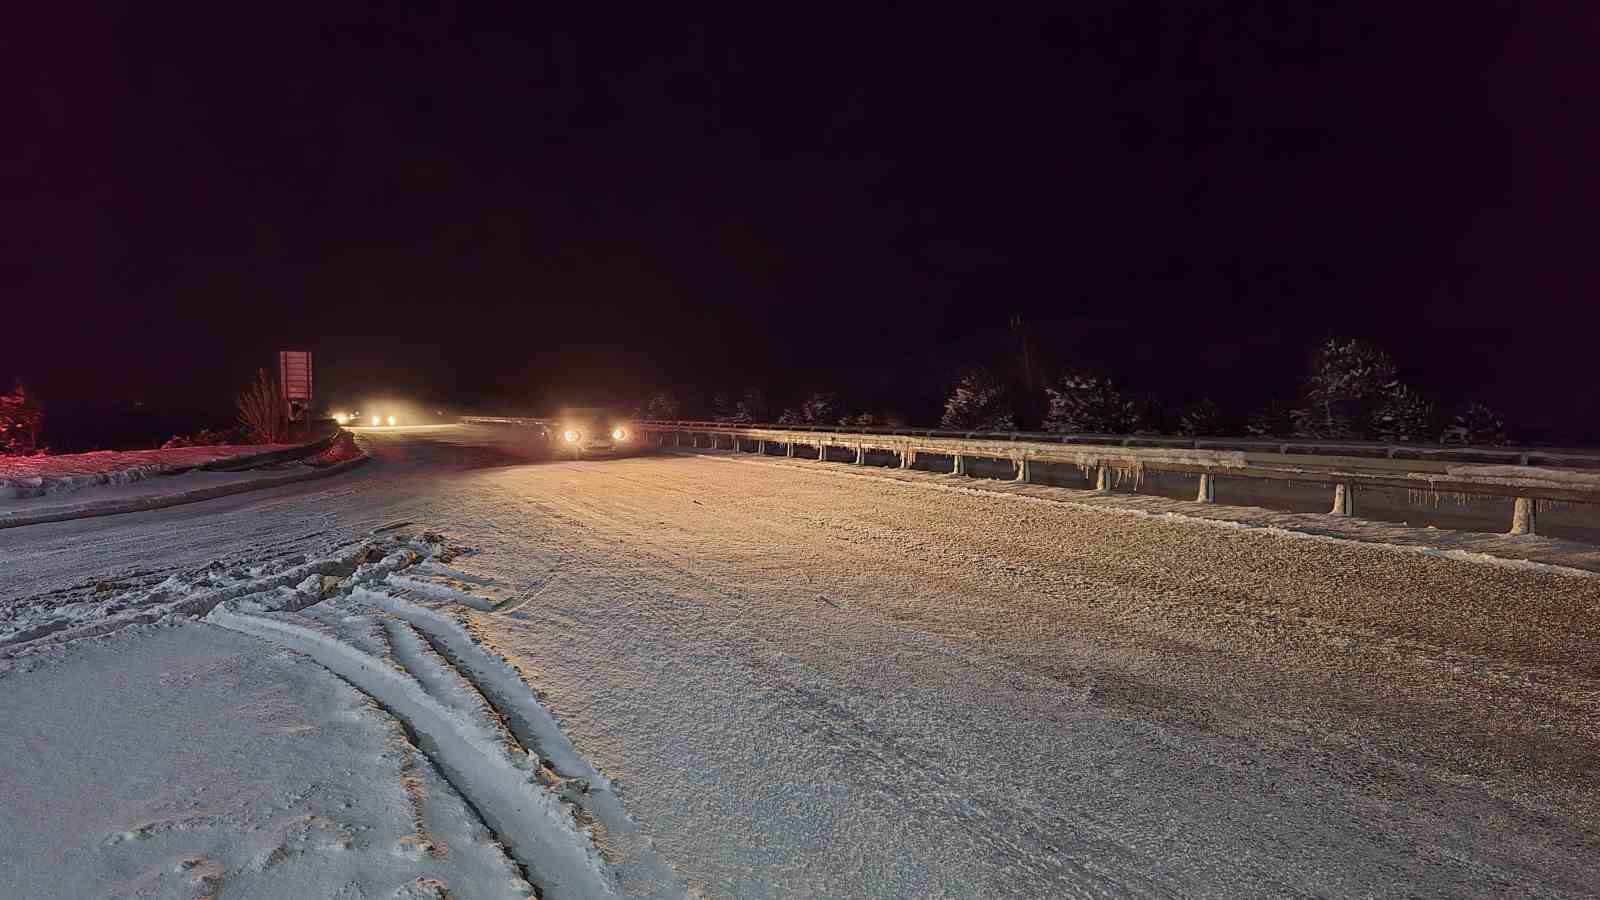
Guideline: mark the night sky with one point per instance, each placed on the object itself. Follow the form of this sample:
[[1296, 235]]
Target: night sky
[[492, 208]]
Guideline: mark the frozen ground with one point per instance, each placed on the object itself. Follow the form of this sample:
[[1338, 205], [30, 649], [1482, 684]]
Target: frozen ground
[[776, 680]]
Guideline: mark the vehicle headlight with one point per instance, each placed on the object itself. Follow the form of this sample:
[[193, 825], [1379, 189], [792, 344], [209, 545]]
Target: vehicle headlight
[[376, 420], [341, 418], [618, 434], [571, 436], [391, 420]]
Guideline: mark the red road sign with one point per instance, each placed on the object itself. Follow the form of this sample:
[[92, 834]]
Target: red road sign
[[294, 380]]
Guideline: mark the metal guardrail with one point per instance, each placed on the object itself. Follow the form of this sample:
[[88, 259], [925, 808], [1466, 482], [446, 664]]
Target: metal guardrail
[[1527, 475], [503, 420]]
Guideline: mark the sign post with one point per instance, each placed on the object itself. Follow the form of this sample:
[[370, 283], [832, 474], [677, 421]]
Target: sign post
[[294, 380]]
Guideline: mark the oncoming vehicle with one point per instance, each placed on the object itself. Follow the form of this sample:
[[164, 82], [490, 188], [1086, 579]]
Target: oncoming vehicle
[[358, 419], [378, 415], [586, 431]]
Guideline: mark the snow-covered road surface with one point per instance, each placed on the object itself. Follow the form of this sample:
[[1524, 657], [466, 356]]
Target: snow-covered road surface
[[782, 682]]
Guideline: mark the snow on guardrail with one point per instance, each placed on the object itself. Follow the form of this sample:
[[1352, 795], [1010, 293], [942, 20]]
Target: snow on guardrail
[[1530, 476]]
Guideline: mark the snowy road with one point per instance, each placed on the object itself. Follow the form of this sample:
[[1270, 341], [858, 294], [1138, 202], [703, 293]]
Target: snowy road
[[788, 681]]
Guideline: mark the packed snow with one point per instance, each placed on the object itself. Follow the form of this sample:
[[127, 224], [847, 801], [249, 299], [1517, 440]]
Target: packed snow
[[465, 671], [532, 814]]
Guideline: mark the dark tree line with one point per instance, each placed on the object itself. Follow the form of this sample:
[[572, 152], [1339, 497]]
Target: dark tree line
[[21, 423], [1351, 390]]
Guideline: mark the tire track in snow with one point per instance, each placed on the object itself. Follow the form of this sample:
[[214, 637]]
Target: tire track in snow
[[501, 687], [529, 820]]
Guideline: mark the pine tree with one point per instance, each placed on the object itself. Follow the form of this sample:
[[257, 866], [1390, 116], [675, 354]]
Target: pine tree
[[751, 407], [979, 402], [1479, 424], [21, 422], [1403, 415], [663, 407], [1089, 404], [1276, 421], [821, 408], [1201, 419], [722, 407], [1349, 380]]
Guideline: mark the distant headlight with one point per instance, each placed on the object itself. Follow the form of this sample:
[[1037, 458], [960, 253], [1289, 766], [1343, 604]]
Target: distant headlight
[[376, 420], [341, 418], [618, 434], [571, 436], [391, 420]]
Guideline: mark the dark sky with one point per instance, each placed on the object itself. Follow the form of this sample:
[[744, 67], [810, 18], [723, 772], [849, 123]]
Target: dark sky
[[492, 207]]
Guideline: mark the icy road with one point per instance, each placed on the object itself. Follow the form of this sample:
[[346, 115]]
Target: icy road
[[463, 671]]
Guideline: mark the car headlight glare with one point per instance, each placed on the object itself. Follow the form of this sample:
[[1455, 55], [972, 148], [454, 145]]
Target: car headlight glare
[[391, 420], [571, 436], [618, 434], [376, 420]]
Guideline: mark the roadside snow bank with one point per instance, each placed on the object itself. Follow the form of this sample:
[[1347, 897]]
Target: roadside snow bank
[[42, 476]]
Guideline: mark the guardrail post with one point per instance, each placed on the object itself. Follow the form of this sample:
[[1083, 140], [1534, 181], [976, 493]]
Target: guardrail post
[[861, 454], [1102, 480], [1344, 499], [1525, 516], [1024, 469], [788, 449], [1208, 489], [907, 457], [761, 448], [822, 452], [958, 465]]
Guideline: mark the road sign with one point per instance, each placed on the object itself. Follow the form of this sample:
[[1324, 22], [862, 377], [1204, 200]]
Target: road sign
[[294, 380]]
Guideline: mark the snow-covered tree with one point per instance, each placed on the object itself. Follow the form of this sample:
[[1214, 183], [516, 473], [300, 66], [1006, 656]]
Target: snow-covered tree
[[979, 402], [1479, 424], [821, 408], [663, 407], [21, 422], [1403, 415], [1150, 415], [1349, 381], [1275, 421], [747, 408], [1201, 419], [1089, 403], [751, 407]]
